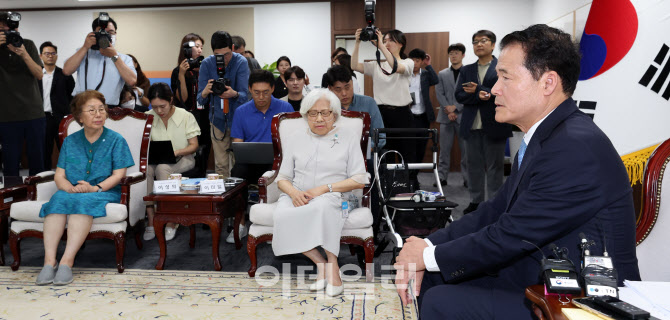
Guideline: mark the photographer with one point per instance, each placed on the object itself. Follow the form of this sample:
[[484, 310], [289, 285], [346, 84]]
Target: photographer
[[101, 69], [21, 110], [184, 84], [236, 73], [391, 80]]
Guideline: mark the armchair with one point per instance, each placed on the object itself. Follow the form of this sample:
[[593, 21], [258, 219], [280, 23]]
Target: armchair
[[135, 127], [358, 226]]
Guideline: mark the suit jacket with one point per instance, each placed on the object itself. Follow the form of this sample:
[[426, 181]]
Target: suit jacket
[[571, 180], [472, 103], [61, 93], [446, 96], [428, 79]]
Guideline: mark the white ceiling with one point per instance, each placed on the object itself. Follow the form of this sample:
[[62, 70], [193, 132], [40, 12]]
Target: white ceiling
[[36, 4]]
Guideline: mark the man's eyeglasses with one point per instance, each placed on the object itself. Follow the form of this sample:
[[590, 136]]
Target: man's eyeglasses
[[94, 111], [50, 54], [482, 41], [315, 114]]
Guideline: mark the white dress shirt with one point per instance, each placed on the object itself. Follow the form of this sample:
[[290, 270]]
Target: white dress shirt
[[429, 252], [47, 79], [415, 87]]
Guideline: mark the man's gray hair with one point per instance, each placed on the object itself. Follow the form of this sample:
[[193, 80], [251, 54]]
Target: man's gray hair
[[315, 95]]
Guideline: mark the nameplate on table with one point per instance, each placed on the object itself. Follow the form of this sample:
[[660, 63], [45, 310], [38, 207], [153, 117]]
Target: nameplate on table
[[212, 186], [166, 186]]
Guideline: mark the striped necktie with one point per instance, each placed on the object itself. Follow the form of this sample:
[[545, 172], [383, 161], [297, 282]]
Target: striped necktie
[[522, 151]]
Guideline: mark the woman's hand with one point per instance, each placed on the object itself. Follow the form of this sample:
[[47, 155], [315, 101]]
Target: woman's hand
[[183, 67], [300, 198], [317, 191], [83, 187], [358, 34], [380, 36]]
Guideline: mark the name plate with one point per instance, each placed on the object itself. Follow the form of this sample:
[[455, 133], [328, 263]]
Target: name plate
[[212, 186], [167, 186]]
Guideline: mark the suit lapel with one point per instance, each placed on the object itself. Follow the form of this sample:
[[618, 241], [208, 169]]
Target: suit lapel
[[535, 147], [491, 73]]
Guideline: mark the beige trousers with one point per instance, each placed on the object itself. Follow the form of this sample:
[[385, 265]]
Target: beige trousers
[[163, 171], [223, 159]]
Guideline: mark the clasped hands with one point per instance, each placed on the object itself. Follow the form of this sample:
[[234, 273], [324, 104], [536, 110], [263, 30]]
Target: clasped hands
[[301, 198], [82, 187], [410, 265]]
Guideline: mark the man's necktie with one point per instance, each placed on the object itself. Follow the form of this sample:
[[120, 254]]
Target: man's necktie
[[522, 151]]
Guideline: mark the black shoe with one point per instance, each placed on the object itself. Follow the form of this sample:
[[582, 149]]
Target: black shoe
[[443, 182], [470, 208]]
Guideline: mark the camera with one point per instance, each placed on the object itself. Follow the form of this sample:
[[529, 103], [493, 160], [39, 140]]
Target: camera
[[188, 53], [369, 32], [13, 36], [102, 38], [219, 85]]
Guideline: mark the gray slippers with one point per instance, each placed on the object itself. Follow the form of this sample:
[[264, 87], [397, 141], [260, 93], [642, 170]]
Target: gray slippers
[[63, 276], [46, 276]]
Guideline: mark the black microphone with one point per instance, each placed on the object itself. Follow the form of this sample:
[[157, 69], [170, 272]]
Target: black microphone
[[559, 274]]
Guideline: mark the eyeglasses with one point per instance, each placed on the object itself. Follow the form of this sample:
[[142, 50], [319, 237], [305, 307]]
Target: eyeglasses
[[50, 54], [94, 111], [315, 114], [480, 41]]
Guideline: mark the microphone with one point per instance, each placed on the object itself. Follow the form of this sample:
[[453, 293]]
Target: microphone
[[598, 275], [559, 275]]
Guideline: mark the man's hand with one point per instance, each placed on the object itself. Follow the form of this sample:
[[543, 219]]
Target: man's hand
[[208, 88], [426, 62], [109, 51], [3, 38], [411, 253], [470, 87], [483, 95], [452, 116], [20, 51], [300, 198], [90, 40], [402, 279], [229, 93], [450, 108], [316, 191]]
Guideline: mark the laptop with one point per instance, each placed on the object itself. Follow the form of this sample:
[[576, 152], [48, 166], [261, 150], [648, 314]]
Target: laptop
[[161, 152], [253, 152]]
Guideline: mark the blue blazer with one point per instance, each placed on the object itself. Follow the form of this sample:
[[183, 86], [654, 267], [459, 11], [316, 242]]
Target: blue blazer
[[571, 180], [471, 102], [428, 79]]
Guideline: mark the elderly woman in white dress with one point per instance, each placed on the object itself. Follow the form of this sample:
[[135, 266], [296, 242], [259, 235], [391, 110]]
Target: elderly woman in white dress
[[318, 166]]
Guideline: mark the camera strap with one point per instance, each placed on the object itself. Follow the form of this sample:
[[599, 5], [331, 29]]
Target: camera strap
[[104, 67], [395, 63]]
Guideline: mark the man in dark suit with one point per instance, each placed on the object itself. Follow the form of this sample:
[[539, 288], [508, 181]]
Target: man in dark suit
[[484, 135], [56, 97], [566, 179], [423, 77]]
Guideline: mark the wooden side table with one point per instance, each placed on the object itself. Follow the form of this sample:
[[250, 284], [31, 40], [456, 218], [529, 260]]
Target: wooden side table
[[8, 195], [548, 307], [191, 208]]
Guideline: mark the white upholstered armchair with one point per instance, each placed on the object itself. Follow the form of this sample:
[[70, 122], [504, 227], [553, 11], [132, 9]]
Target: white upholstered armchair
[[358, 226], [135, 127]]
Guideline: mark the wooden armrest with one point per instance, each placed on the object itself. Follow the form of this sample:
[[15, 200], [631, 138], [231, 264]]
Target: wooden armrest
[[263, 183], [133, 179], [366, 196], [43, 177]]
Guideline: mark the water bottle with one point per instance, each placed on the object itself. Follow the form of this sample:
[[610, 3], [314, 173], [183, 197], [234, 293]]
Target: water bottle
[[353, 201], [345, 207]]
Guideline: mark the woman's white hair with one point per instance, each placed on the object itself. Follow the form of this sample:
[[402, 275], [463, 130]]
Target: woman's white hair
[[315, 95]]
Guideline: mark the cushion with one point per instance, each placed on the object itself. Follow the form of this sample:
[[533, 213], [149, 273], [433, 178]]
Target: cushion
[[46, 190], [19, 226], [29, 211], [262, 214]]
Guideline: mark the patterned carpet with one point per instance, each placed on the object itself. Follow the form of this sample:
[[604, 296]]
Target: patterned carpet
[[151, 294]]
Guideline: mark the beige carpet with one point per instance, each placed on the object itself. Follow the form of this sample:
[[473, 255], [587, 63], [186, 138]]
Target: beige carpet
[[151, 294]]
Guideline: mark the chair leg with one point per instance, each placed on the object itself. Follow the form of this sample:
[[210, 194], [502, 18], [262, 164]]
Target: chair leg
[[14, 246], [369, 248], [251, 250], [191, 241], [138, 230], [120, 243]]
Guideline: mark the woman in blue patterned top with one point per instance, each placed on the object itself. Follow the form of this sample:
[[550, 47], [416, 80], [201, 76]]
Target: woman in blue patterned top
[[91, 164]]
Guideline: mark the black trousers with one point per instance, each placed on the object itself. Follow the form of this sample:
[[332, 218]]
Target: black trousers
[[51, 138], [421, 121], [12, 135], [399, 117], [204, 139]]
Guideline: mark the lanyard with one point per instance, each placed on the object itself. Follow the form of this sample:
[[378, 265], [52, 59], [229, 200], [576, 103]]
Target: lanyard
[[104, 66]]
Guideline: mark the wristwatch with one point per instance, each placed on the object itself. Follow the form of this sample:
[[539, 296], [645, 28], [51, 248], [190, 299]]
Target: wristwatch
[[99, 188], [114, 58], [330, 187]]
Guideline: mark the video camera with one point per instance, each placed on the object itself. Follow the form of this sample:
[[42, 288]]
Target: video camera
[[369, 32], [188, 53], [219, 85], [13, 36], [102, 38]]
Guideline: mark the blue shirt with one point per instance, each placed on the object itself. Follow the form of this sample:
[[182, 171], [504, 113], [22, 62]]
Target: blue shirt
[[112, 83], [252, 125], [237, 71], [367, 104]]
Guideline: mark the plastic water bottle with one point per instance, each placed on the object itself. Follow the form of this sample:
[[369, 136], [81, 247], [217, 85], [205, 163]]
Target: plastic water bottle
[[353, 201], [345, 208]]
